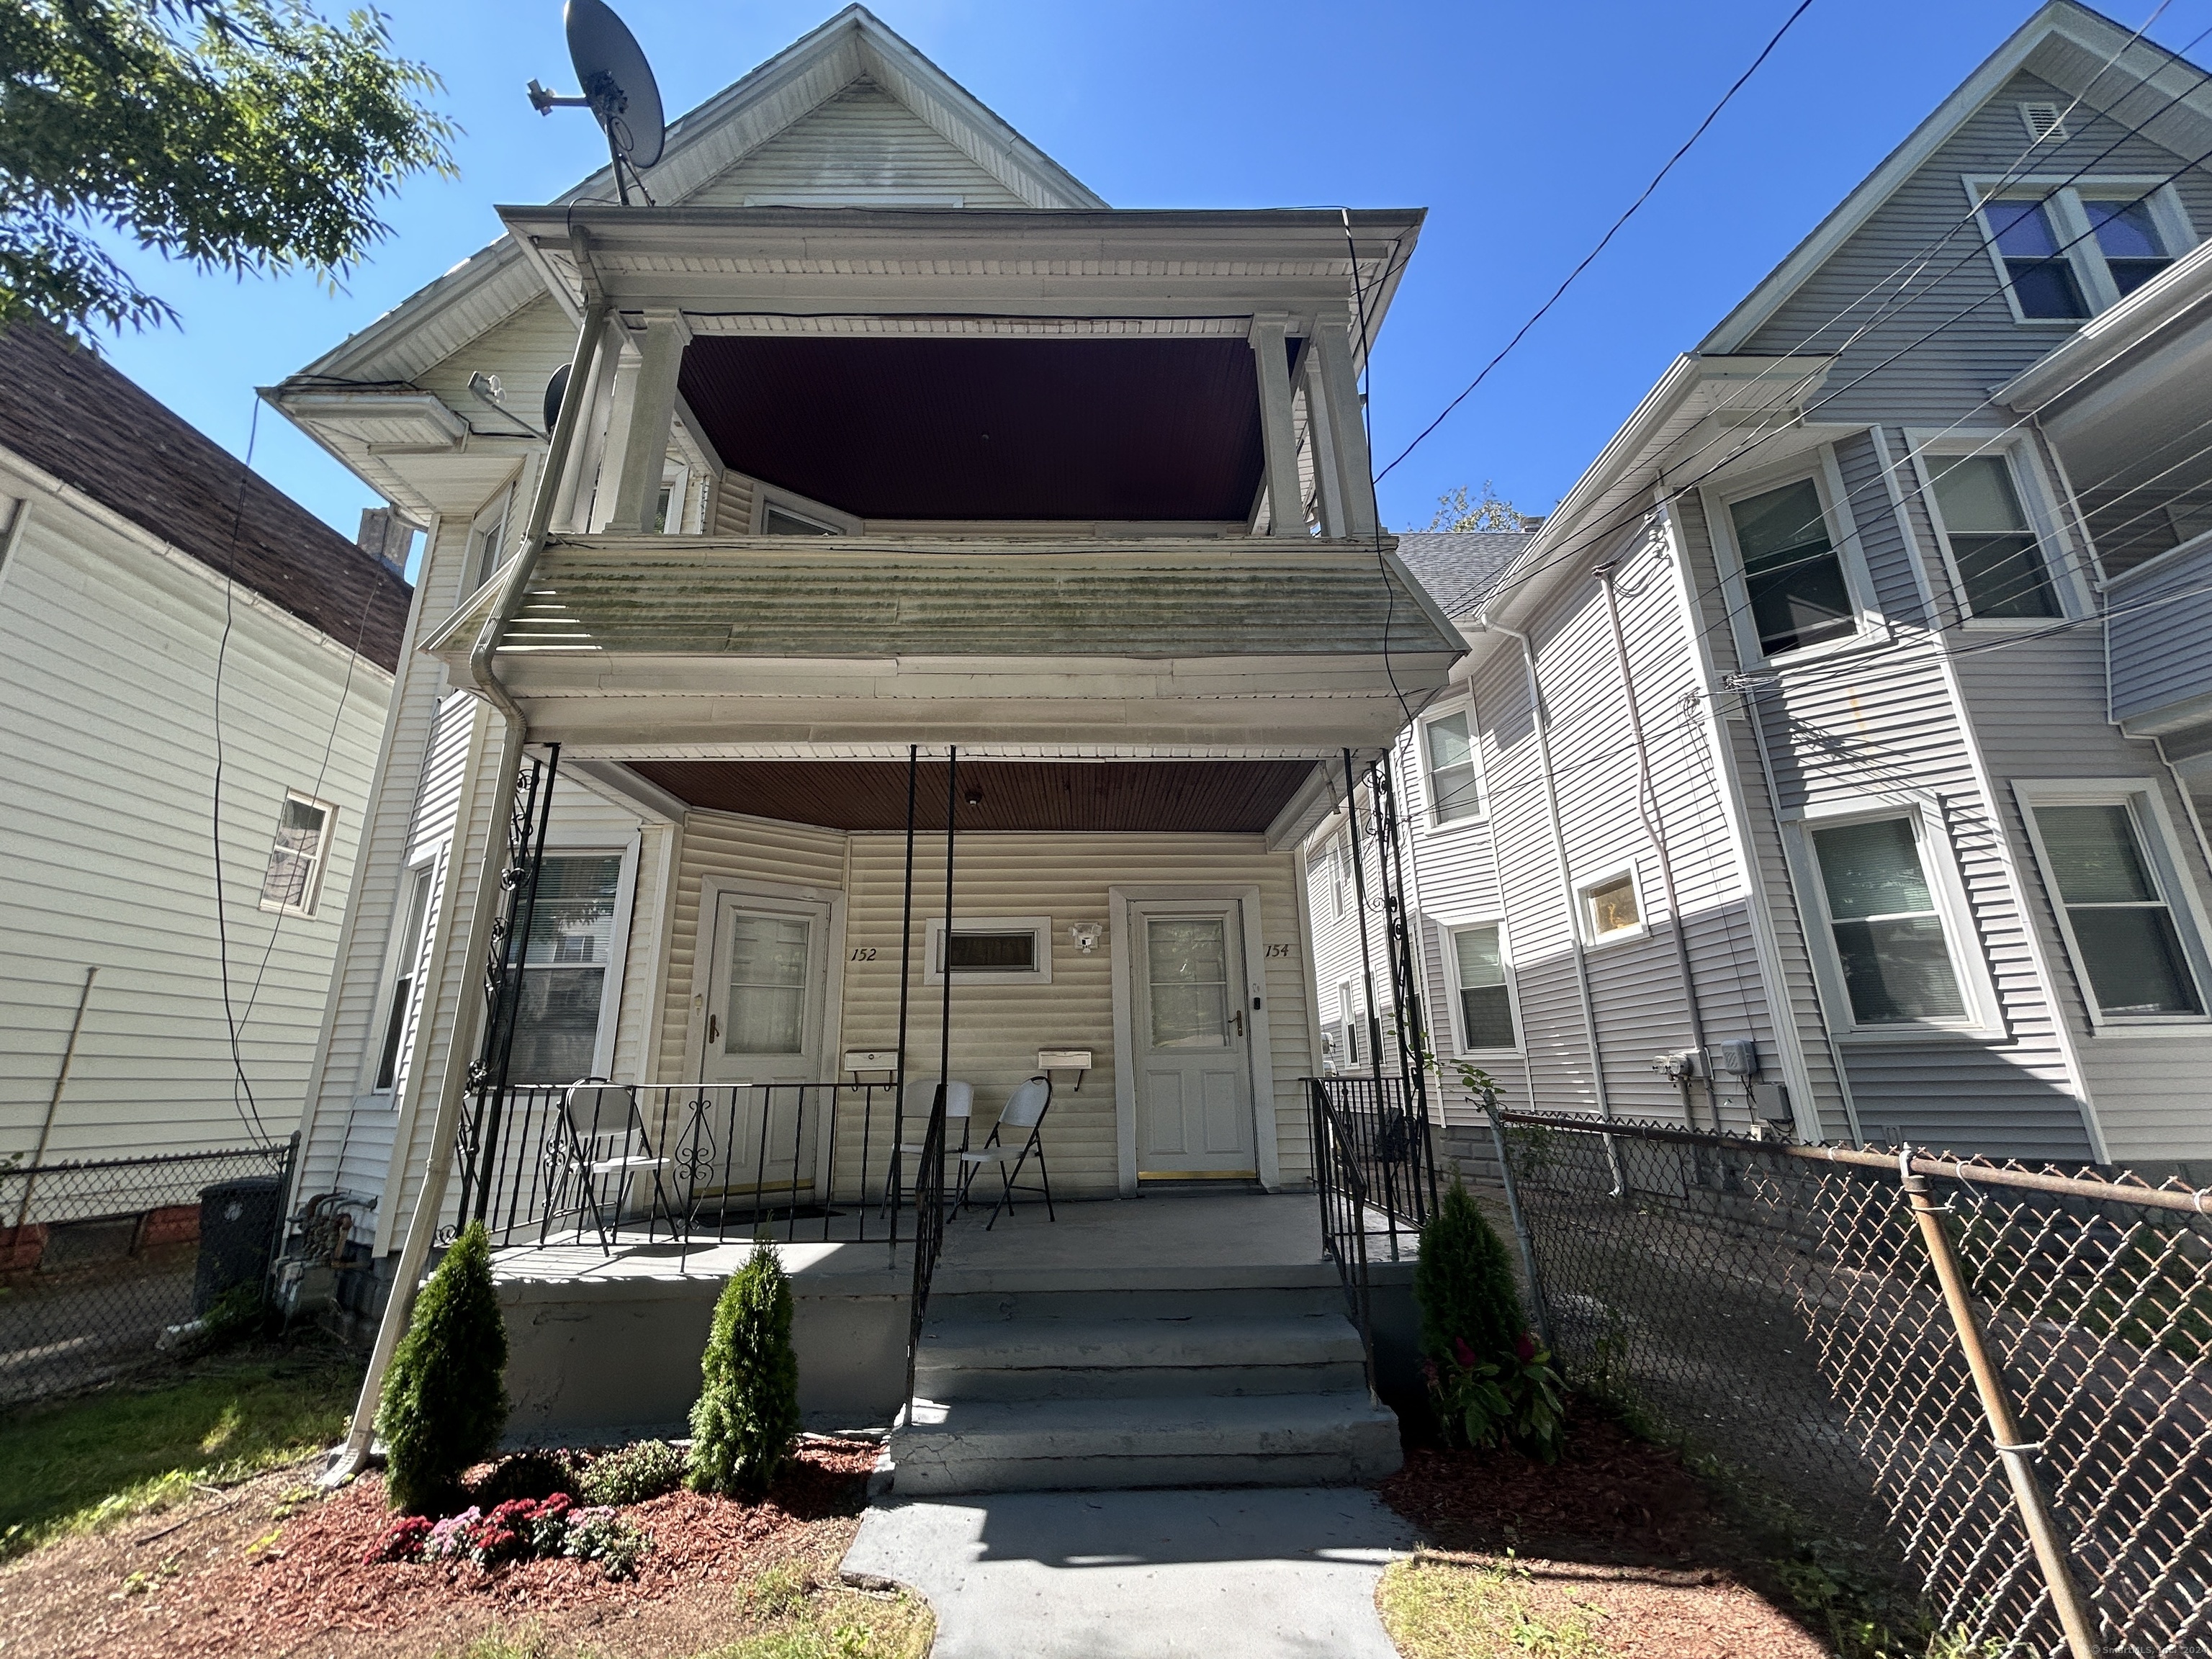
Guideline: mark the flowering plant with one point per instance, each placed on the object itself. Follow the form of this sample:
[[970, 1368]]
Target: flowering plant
[[521, 1529], [1512, 1399]]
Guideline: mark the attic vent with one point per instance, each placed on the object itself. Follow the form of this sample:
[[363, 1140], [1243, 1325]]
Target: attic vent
[[2043, 122]]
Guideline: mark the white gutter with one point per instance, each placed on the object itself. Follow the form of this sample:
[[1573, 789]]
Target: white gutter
[[430, 1198]]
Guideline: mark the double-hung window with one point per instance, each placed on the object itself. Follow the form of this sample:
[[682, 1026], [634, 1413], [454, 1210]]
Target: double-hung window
[[564, 968], [488, 547], [400, 973], [1485, 1000], [1448, 755], [1792, 571], [1886, 924], [1994, 549], [296, 856], [2113, 902], [2066, 251]]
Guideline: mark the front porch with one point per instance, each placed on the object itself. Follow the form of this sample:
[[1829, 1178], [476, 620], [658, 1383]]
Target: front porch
[[604, 1343]]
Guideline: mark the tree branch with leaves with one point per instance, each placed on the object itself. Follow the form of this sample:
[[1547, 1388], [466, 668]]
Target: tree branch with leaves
[[1457, 512], [230, 135]]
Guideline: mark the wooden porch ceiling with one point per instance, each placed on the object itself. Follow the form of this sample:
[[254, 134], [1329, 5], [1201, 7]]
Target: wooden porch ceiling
[[1218, 796], [907, 428]]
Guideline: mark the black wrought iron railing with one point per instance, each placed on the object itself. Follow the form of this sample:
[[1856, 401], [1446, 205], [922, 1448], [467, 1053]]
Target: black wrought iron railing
[[1374, 1169], [696, 1164]]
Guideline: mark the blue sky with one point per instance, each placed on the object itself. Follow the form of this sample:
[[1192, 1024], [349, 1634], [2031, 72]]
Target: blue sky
[[1523, 129]]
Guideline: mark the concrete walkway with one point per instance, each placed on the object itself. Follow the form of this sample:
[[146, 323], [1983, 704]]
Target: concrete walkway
[[1284, 1573]]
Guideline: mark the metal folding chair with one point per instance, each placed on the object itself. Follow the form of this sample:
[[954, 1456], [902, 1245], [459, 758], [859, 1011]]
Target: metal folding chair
[[920, 1101], [1024, 1111], [605, 1141]]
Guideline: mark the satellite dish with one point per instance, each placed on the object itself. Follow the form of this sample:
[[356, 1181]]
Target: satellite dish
[[618, 88], [556, 391]]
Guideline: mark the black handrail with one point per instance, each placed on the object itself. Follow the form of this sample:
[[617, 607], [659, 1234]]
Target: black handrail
[[1343, 1206]]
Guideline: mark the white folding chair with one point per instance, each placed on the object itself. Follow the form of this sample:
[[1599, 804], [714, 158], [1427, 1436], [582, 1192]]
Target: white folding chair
[[920, 1101], [607, 1143], [1024, 1113]]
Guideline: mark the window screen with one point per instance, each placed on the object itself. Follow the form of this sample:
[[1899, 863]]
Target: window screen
[[1485, 1006], [2124, 930], [1798, 594], [2035, 262], [2127, 235], [295, 857], [1999, 560], [1889, 934], [564, 968], [1455, 790]]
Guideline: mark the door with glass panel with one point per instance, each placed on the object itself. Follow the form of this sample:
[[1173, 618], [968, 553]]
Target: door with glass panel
[[1193, 1059], [765, 996]]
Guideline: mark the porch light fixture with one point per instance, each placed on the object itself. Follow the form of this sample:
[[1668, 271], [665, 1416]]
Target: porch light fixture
[[1086, 935]]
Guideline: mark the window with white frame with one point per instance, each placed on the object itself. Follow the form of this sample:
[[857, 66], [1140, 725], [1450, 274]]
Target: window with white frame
[[671, 510], [296, 855], [2067, 252], [2114, 908], [400, 973], [1339, 877], [565, 988], [1480, 987], [997, 950], [1348, 1022], [1455, 785], [488, 546], [1612, 907], [1886, 923], [1792, 572], [1999, 560]]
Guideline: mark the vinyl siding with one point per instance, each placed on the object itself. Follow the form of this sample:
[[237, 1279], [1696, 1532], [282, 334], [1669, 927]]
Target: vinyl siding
[[108, 648], [2162, 652], [861, 144], [1925, 262]]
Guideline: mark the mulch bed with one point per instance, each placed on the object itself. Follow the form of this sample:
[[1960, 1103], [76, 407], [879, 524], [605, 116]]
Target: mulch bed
[[1616, 1523], [240, 1583]]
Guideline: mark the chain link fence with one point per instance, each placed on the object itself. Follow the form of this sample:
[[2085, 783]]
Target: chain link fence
[[99, 1259], [1784, 1310]]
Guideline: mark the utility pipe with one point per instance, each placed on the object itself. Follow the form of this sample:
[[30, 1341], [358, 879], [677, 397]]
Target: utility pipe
[[1647, 810], [430, 1198]]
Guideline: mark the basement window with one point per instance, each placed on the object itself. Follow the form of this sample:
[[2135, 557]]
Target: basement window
[[994, 949]]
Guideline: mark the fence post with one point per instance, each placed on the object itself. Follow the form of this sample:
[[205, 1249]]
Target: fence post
[[1536, 1304], [2051, 1553]]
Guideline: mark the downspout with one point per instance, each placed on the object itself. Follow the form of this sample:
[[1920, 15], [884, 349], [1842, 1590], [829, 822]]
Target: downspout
[[430, 1199], [1540, 724], [1647, 810]]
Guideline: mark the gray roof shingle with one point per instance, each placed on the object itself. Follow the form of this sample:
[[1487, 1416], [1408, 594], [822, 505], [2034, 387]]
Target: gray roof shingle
[[1459, 568]]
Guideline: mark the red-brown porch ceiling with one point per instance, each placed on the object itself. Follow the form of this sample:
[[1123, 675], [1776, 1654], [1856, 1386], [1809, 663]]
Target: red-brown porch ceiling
[[916, 428], [1220, 796]]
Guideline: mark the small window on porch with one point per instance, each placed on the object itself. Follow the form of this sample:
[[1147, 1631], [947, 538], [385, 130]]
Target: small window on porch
[[994, 949], [564, 968]]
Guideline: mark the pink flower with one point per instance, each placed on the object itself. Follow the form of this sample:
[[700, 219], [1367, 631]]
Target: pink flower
[[1462, 1354], [1524, 1347]]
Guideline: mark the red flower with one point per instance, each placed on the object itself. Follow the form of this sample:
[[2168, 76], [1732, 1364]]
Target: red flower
[[1463, 1354], [1524, 1347]]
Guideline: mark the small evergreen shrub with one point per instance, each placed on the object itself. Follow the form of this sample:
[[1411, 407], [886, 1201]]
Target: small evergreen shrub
[[747, 1415], [445, 1398], [633, 1474], [1490, 1379]]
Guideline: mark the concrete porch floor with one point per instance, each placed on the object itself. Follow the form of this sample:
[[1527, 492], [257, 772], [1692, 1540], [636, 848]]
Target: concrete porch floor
[[606, 1343]]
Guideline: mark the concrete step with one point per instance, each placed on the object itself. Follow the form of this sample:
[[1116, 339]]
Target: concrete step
[[1123, 1359], [1039, 1445], [1196, 1302]]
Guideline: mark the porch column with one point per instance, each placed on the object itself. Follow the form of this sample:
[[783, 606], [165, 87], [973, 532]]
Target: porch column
[[644, 449], [1286, 508], [1329, 497], [1340, 384], [572, 500]]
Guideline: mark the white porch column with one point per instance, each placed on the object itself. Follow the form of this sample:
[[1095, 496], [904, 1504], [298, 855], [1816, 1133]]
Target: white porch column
[[1329, 497], [1347, 432], [1287, 509], [571, 498], [644, 448]]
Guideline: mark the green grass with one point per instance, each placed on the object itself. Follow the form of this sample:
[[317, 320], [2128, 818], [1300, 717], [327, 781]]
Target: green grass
[[80, 1464], [1438, 1608]]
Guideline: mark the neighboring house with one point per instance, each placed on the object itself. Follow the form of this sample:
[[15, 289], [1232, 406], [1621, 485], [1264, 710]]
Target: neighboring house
[[1806, 797], [894, 434], [142, 568]]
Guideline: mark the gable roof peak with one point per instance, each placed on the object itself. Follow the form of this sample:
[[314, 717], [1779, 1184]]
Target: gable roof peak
[[2083, 53]]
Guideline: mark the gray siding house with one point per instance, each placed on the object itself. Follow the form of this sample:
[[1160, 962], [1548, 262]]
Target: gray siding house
[[1801, 794]]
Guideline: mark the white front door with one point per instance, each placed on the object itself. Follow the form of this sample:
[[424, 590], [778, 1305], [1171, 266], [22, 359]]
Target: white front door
[[1193, 1059], [765, 996]]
